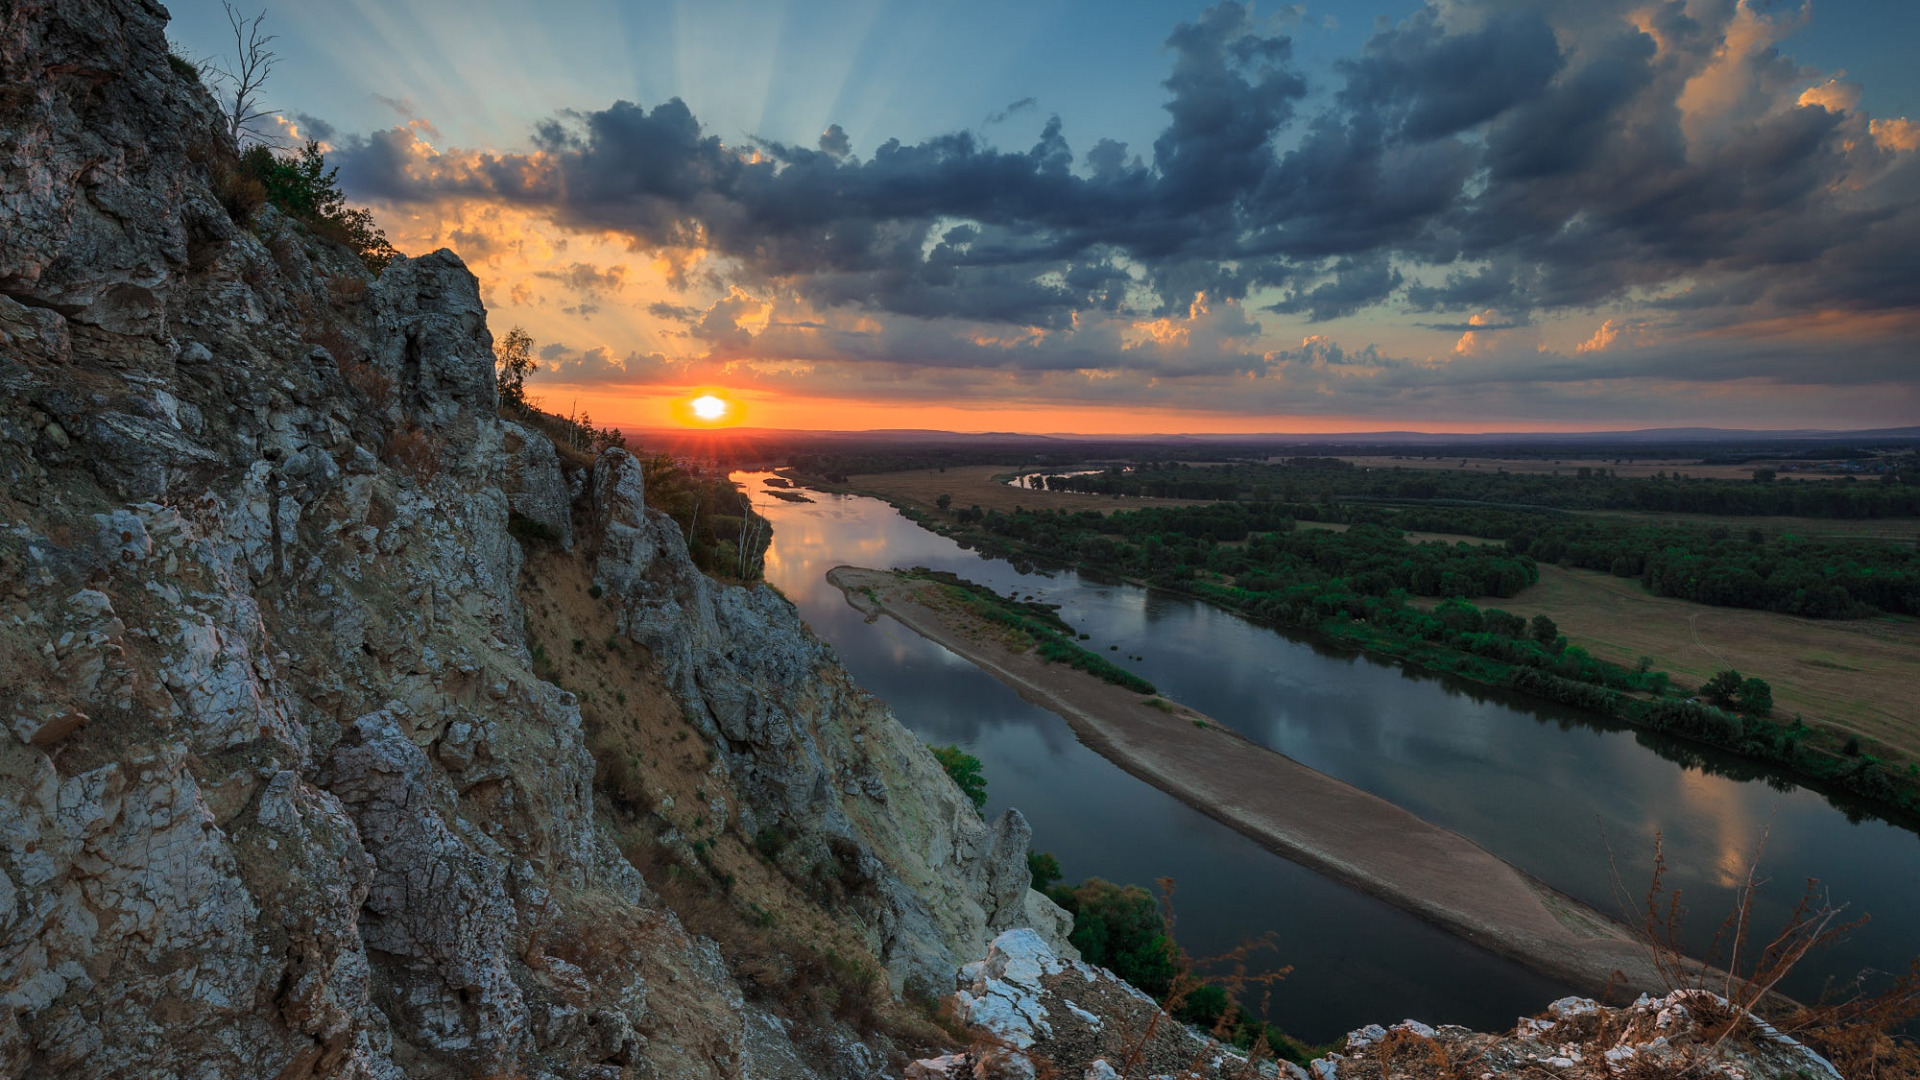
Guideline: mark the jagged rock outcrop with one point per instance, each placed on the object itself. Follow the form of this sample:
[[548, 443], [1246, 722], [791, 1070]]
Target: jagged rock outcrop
[[280, 791], [1033, 1013], [812, 753], [1686, 1033]]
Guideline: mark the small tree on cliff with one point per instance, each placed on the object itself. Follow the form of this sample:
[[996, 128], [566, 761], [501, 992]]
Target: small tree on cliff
[[304, 188], [964, 768], [513, 362], [240, 79]]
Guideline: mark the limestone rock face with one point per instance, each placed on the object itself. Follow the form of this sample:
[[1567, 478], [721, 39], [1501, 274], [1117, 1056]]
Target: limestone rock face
[[1033, 1013], [450, 952], [281, 793], [535, 487], [811, 752], [1036, 1013]]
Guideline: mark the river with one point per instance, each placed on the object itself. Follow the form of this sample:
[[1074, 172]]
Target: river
[[1557, 793]]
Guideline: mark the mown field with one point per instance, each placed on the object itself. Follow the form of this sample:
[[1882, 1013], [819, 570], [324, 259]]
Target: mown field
[[974, 485], [1859, 674], [1633, 467]]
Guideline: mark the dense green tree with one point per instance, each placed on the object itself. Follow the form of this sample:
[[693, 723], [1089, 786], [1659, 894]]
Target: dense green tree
[[1755, 697], [965, 770], [1121, 928], [1544, 630], [1722, 688], [1044, 868], [301, 185]]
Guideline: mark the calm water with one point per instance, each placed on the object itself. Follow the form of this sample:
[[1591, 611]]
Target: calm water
[[1547, 789]]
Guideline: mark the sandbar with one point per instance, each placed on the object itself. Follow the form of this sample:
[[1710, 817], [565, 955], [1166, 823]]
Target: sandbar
[[1350, 835]]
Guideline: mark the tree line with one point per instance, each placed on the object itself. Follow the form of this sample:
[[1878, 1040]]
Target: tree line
[[1893, 494], [1357, 588]]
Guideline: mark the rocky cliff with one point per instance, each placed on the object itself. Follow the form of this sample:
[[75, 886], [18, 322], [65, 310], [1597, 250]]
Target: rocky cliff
[[287, 789], [355, 729]]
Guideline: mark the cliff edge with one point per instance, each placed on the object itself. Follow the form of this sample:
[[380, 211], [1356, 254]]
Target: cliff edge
[[284, 790]]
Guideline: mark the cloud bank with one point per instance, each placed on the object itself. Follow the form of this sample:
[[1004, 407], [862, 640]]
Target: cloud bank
[[1657, 178]]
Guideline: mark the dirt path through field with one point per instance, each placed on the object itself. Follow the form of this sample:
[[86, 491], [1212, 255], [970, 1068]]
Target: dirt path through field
[[1331, 826]]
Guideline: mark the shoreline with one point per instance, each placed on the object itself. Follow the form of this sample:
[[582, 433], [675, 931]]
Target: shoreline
[[1325, 824], [1838, 791]]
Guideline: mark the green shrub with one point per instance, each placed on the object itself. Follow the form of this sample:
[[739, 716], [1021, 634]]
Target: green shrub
[[1722, 688], [965, 770], [1120, 928], [1755, 697], [770, 841], [302, 186], [1044, 868]]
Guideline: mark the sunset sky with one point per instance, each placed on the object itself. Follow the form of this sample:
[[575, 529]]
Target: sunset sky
[[1067, 215]]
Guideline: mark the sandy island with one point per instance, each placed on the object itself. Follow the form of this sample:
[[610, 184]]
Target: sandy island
[[1302, 814]]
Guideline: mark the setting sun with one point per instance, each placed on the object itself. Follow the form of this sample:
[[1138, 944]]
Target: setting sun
[[707, 407]]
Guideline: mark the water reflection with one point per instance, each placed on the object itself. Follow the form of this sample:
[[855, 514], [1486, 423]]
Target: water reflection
[[1553, 791]]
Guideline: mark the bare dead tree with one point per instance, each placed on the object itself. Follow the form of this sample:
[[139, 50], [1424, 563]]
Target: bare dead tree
[[752, 530], [241, 82]]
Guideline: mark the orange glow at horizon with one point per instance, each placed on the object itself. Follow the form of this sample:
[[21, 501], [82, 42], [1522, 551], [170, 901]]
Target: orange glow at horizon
[[674, 408]]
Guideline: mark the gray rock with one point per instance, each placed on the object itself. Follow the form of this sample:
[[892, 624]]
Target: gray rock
[[535, 488], [444, 961]]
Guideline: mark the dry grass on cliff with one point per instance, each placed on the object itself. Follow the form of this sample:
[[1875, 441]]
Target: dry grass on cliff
[[1864, 1032]]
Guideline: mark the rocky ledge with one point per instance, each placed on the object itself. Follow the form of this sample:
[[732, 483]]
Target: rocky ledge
[[1033, 1014]]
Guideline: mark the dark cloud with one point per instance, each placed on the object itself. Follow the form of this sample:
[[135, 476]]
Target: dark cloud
[[1355, 284], [660, 309], [586, 279], [1001, 116], [1432, 83], [1469, 327], [834, 142], [313, 127], [1528, 158]]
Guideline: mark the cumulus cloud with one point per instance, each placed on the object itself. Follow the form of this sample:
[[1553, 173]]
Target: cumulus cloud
[[1497, 165], [834, 142]]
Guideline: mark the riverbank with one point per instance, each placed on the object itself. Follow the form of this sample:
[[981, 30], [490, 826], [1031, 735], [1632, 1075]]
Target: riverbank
[[1336, 829], [1857, 776]]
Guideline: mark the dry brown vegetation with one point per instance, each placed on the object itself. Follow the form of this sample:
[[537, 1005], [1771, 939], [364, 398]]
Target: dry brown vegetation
[[1857, 1028], [412, 449]]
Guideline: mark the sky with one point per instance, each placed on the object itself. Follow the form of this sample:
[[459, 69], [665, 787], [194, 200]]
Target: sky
[[1118, 216]]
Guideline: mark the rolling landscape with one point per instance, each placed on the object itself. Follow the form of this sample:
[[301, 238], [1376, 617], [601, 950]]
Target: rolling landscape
[[959, 542]]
